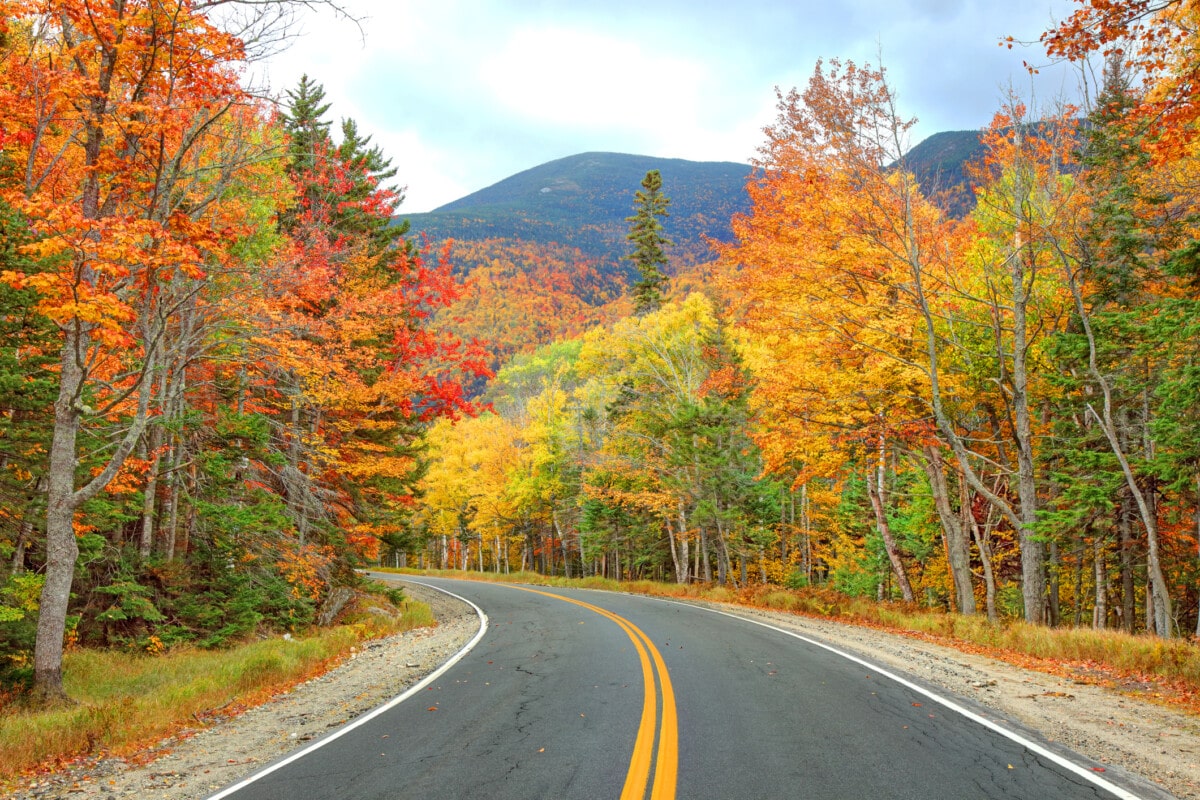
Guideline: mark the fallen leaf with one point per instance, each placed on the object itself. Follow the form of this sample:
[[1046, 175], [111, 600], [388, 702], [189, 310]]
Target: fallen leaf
[[1098, 769], [916, 705], [433, 708]]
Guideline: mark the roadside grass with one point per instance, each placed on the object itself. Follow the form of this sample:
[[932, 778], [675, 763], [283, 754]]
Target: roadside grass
[[124, 702], [1156, 669]]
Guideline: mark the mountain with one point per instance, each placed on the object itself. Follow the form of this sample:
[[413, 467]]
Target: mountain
[[939, 164], [582, 201]]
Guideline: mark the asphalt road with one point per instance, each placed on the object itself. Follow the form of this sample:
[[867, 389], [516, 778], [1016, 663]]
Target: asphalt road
[[577, 694]]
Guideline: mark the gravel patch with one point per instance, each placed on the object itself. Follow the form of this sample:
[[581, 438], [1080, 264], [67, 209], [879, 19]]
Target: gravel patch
[[1132, 735]]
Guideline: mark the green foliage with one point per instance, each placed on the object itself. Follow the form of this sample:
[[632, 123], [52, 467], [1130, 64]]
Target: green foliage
[[526, 375], [19, 596], [649, 244], [28, 345], [359, 169], [914, 522], [131, 601], [796, 580]]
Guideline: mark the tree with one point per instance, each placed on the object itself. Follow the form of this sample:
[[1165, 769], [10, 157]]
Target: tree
[[1155, 39], [834, 266], [649, 244], [119, 105]]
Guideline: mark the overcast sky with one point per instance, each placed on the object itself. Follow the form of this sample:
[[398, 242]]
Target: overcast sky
[[464, 93]]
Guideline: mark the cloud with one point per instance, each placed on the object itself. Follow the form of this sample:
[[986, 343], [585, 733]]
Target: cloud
[[580, 80], [463, 93]]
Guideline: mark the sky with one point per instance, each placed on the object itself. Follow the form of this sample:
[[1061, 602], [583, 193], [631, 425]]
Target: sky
[[464, 93]]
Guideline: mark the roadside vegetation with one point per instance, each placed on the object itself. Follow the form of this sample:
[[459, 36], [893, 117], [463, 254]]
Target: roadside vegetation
[[124, 702]]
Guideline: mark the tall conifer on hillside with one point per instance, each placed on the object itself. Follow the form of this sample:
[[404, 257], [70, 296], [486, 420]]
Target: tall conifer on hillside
[[649, 253]]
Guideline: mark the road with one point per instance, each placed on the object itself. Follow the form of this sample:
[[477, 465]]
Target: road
[[578, 694]]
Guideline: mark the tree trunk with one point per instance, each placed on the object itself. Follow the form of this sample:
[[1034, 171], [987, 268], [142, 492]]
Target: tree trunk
[[149, 495], [150, 492], [1100, 615], [684, 546], [61, 547], [805, 520], [562, 540], [172, 510], [1197, 520], [1128, 587], [958, 545], [989, 577], [889, 542]]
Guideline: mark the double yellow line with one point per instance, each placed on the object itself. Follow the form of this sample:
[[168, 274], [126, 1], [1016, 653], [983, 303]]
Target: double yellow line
[[666, 767]]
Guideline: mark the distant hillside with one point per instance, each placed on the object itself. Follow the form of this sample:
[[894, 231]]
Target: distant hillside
[[582, 201], [542, 251], [939, 164]]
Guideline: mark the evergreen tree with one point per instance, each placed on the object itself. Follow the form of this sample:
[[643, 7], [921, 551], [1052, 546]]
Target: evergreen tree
[[344, 184], [306, 127], [368, 172], [649, 253]]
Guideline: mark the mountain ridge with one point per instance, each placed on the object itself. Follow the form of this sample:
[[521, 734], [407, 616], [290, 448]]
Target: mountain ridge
[[583, 200]]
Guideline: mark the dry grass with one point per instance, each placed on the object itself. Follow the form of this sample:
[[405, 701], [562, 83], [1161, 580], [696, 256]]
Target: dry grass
[[123, 702]]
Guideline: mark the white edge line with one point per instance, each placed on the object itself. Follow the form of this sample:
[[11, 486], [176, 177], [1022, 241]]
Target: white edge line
[[362, 720], [1028, 744]]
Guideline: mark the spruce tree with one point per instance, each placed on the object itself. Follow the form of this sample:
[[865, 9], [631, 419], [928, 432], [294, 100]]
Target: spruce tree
[[306, 126], [649, 252], [369, 170]]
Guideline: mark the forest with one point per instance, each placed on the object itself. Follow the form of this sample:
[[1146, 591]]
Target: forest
[[869, 392], [228, 378]]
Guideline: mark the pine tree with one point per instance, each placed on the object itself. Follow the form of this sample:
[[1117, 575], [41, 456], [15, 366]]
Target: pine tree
[[649, 253]]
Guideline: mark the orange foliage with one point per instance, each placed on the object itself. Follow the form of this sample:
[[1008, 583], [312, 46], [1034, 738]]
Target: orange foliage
[[1154, 38]]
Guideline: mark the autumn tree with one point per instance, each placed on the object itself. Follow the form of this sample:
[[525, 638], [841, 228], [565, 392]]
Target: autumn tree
[[1153, 39], [113, 184], [836, 264], [678, 447]]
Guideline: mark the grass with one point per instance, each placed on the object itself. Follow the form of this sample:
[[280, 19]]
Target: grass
[[125, 702], [1163, 670]]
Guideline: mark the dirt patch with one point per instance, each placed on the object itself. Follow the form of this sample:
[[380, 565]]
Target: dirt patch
[[1159, 744]]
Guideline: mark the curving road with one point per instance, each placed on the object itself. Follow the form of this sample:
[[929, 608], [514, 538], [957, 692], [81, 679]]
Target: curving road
[[579, 694]]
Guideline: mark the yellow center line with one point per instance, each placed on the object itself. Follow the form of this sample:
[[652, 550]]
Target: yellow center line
[[667, 764]]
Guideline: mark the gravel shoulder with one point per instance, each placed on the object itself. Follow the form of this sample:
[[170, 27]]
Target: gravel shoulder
[[1159, 744]]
